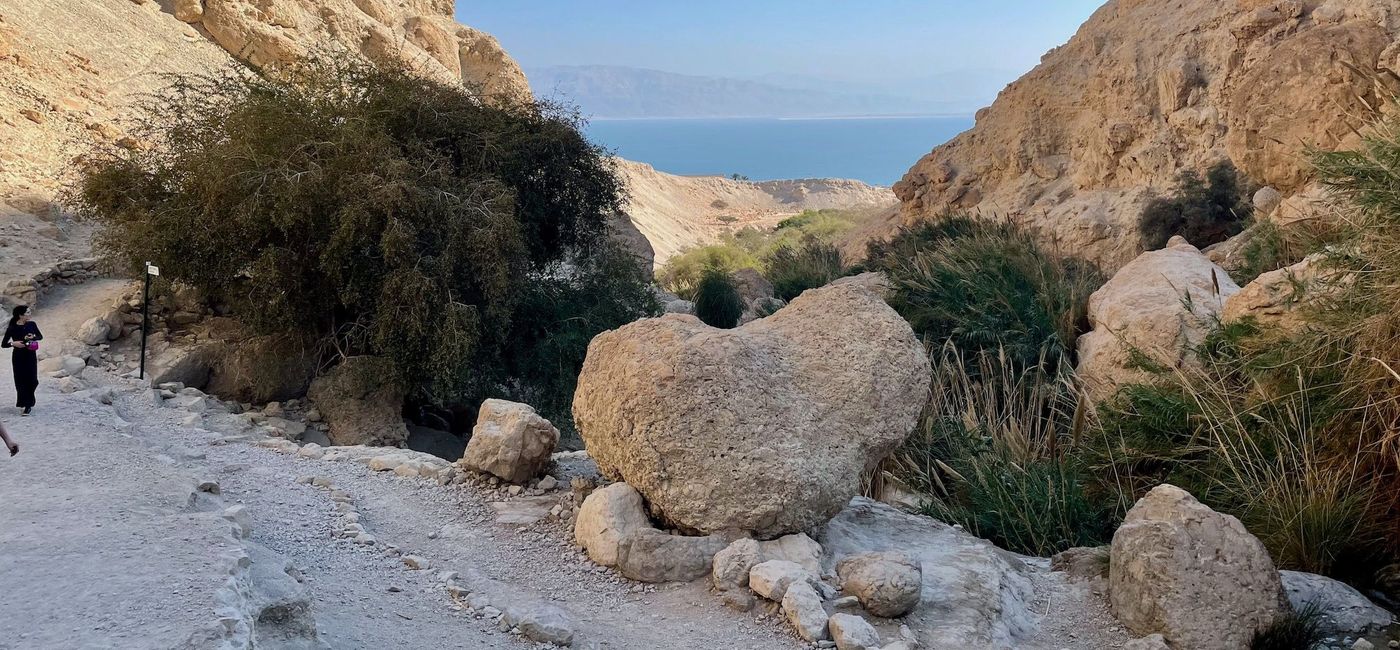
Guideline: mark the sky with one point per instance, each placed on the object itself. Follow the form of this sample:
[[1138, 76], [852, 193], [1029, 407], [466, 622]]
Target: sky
[[870, 41]]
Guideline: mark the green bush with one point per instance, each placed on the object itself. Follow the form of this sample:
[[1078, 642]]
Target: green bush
[[995, 452], [1296, 630], [811, 264], [379, 211], [717, 299], [681, 274], [988, 286], [1205, 211]]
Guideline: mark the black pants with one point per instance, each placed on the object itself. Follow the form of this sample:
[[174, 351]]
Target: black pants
[[26, 365]]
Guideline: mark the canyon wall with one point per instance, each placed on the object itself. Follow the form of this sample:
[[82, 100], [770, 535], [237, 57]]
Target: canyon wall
[[1148, 88]]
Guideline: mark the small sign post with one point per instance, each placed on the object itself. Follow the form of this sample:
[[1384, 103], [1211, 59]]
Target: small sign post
[[151, 270]]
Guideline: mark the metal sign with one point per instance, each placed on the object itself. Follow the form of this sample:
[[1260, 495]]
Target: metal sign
[[152, 269]]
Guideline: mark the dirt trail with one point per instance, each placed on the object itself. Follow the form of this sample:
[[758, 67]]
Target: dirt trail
[[107, 543]]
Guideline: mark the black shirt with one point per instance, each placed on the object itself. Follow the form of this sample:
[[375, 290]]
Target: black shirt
[[26, 332]]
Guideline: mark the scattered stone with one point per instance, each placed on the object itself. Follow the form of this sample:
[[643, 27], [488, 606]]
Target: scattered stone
[[510, 441], [1363, 644], [1082, 561], [798, 548], [311, 450], [852, 632], [650, 555], [320, 482], [548, 483], [242, 521], [212, 487], [679, 409], [804, 611], [607, 516], [541, 623], [1196, 576], [888, 584], [772, 579], [730, 572], [416, 562], [1152, 642]]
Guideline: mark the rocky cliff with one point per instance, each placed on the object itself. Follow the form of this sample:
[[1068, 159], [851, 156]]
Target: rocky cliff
[[1148, 88], [71, 73]]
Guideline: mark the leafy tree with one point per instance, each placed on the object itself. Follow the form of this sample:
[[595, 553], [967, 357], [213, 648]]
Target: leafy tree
[[380, 212], [1205, 211]]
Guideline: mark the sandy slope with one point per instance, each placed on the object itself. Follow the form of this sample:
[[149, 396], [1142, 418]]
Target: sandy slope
[[678, 212]]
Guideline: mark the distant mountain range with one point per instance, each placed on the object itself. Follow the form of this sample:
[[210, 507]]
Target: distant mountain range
[[602, 91]]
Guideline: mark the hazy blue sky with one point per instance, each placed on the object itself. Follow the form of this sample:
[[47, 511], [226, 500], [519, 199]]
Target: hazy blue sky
[[869, 40]]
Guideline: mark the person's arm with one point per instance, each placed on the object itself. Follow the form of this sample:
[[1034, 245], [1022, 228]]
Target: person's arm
[[5, 341], [9, 442], [38, 336]]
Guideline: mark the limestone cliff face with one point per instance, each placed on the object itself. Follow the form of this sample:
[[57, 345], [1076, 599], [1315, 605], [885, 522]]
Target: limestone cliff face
[[1148, 88], [71, 71]]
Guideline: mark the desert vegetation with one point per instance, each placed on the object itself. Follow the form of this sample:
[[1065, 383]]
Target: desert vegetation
[[1203, 210], [1292, 429], [799, 254], [379, 213]]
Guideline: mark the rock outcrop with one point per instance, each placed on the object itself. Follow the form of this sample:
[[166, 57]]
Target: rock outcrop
[[1342, 609], [1145, 90], [1275, 300], [510, 441], [1160, 306], [974, 595], [360, 403], [716, 427], [1193, 575]]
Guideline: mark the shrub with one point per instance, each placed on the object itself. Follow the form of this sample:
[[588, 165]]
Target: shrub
[[988, 286], [717, 300], [681, 274], [371, 208], [1205, 211], [811, 264], [995, 452], [1295, 630]]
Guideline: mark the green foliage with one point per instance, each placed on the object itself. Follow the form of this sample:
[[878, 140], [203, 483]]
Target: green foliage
[[811, 264], [681, 274], [993, 451], [988, 286], [1205, 211], [377, 210], [752, 248], [1296, 630], [717, 299]]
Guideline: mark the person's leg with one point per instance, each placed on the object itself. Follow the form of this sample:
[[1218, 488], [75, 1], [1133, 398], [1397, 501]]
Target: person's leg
[[10, 444]]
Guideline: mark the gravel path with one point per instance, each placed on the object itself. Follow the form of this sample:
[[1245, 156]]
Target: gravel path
[[102, 546]]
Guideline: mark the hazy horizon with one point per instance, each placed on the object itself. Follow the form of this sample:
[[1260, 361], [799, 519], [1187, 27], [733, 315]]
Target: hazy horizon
[[912, 52]]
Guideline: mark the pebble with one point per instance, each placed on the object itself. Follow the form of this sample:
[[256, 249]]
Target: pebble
[[416, 562]]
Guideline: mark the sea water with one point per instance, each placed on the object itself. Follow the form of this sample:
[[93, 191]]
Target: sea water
[[876, 150]]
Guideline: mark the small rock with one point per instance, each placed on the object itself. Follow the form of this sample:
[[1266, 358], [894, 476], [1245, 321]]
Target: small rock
[[773, 578], [548, 483], [852, 632], [416, 563], [211, 487], [804, 611], [321, 482], [311, 450], [1152, 642], [1363, 644]]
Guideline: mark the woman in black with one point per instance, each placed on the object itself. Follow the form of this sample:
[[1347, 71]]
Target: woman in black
[[23, 337]]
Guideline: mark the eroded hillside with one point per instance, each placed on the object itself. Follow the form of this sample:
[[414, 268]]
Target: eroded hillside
[[1145, 90]]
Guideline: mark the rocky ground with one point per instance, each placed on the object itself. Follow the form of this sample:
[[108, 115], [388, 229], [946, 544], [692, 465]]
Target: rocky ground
[[137, 521]]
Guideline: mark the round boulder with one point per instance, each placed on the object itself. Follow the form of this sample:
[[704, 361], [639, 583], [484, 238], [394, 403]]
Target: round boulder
[[888, 584], [510, 441], [765, 428]]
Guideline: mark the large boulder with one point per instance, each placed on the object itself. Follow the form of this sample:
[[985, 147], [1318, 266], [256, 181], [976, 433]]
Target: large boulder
[[510, 441], [1160, 305], [766, 428], [1193, 575], [608, 515], [361, 403], [1343, 610], [93, 331]]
